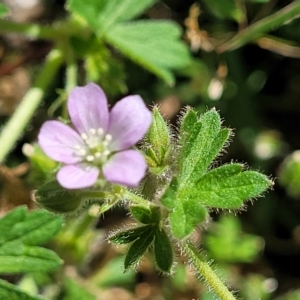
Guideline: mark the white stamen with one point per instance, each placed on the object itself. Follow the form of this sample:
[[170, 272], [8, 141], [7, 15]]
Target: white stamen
[[108, 138], [92, 131], [90, 158], [100, 132], [106, 152], [84, 136], [98, 154], [82, 152], [77, 147]]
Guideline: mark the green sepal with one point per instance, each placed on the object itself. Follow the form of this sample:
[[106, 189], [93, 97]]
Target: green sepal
[[228, 187], [129, 235], [146, 215], [55, 198], [158, 143], [163, 252], [138, 248]]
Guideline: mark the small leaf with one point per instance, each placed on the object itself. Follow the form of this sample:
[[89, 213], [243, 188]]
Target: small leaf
[[203, 145], [130, 235], [153, 44], [145, 215], [11, 292], [163, 251], [138, 248], [228, 187], [103, 14]]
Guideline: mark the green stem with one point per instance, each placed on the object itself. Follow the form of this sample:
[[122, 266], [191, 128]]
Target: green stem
[[207, 273], [31, 30], [24, 112], [263, 26]]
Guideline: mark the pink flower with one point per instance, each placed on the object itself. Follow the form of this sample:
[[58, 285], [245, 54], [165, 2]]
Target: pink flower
[[99, 145]]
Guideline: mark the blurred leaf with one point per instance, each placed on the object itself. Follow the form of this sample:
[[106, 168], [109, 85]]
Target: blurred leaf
[[228, 186], [11, 292], [103, 14], [3, 10], [292, 295], [163, 252], [112, 274], [226, 9], [289, 174], [75, 291], [262, 26], [256, 286], [226, 242], [153, 44], [19, 233], [137, 249]]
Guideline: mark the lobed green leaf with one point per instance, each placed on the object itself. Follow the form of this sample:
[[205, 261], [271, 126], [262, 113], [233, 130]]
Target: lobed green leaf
[[103, 14], [187, 214], [163, 252], [138, 248], [153, 44], [228, 187], [205, 143]]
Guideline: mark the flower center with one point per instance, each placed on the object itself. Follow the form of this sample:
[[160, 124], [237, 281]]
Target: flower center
[[96, 148]]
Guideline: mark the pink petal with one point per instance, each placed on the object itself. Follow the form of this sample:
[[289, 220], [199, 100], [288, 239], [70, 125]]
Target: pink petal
[[77, 176], [58, 141], [129, 120], [126, 167], [88, 108]]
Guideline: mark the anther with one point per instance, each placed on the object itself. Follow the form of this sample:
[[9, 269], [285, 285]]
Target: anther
[[92, 131], [90, 158], [84, 136]]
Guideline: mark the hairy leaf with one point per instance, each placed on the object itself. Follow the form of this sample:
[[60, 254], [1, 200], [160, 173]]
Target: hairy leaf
[[228, 187], [130, 235], [163, 251], [204, 144], [138, 248]]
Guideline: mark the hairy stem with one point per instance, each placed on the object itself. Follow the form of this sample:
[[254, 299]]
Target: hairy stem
[[207, 273], [24, 112]]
